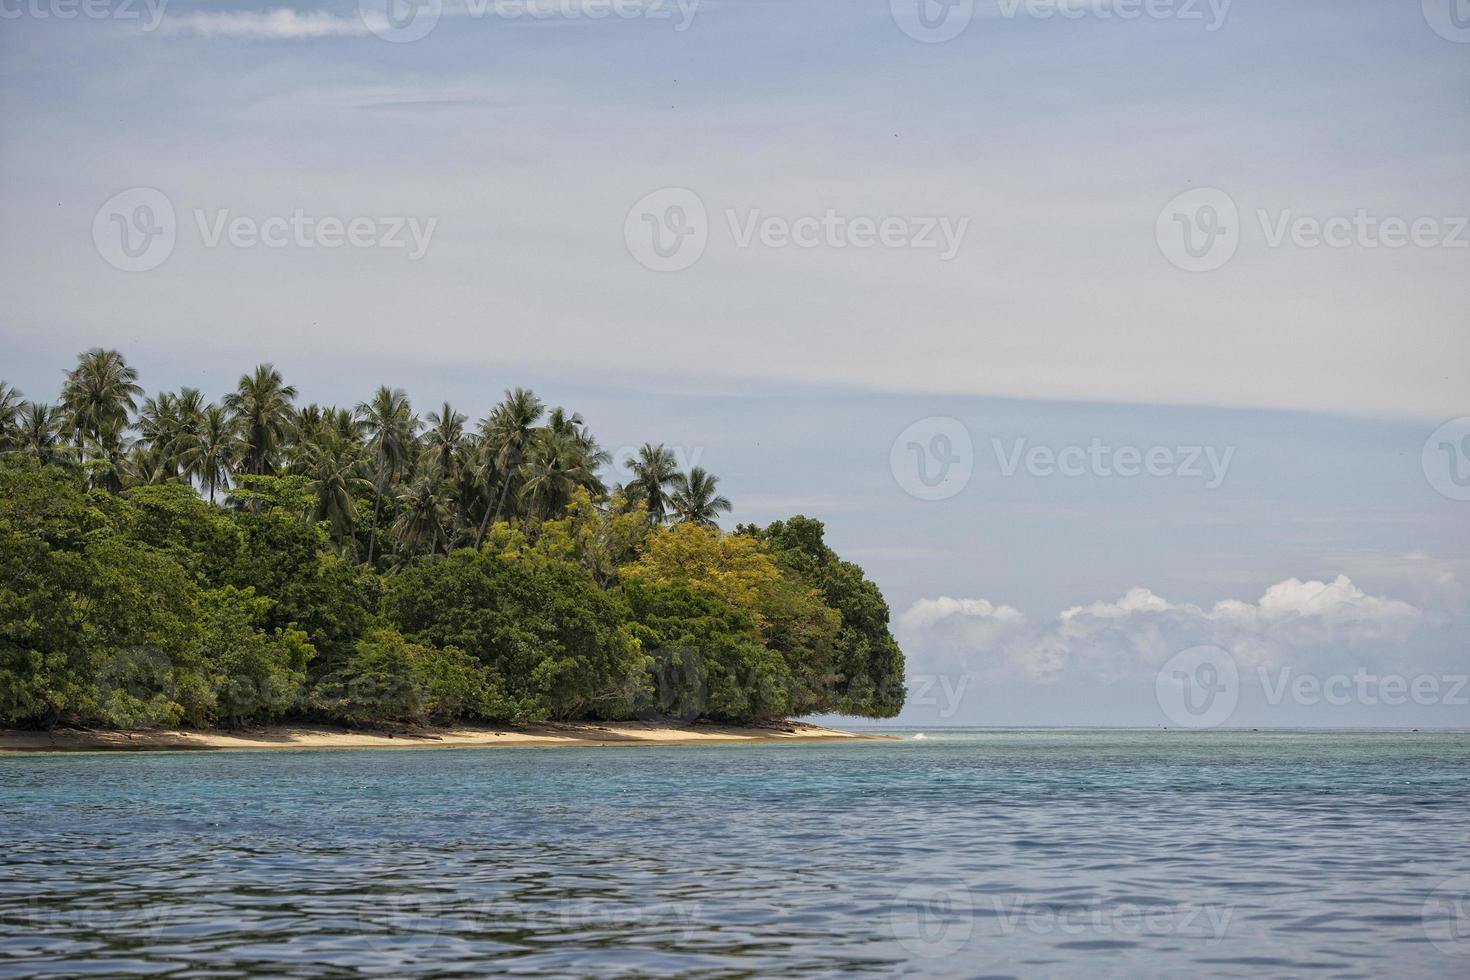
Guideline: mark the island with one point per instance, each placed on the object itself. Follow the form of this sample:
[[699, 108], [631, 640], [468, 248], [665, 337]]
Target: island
[[176, 572]]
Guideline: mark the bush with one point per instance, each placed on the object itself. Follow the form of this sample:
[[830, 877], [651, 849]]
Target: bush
[[257, 676], [388, 678], [705, 657], [552, 641]]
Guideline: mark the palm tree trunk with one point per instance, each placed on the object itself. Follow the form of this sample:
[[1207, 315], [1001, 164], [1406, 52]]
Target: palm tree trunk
[[373, 531], [485, 522]]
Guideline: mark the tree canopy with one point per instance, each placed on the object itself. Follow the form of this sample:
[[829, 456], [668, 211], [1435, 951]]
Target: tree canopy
[[165, 560]]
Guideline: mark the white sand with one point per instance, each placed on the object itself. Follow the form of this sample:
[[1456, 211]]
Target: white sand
[[328, 737]]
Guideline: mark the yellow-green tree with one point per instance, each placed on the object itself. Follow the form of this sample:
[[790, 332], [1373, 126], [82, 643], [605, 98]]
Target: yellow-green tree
[[737, 568]]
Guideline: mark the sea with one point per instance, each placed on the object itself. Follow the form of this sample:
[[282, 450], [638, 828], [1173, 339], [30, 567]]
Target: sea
[[935, 853]]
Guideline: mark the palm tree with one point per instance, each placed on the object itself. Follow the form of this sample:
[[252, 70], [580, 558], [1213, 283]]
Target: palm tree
[[107, 456], [345, 424], [555, 466], [506, 435], [212, 456], [168, 429], [40, 430], [654, 470], [98, 395], [306, 427], [189, 408], [695, 498], [145, 466], [10, 412], [594, 456], [444, 439], [423, 513], [469, 486], [261, 405], [391, 427], [335, 467], [157, 427]]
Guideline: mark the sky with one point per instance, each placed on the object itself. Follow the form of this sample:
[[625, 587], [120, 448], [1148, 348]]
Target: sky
[[1123, 344]]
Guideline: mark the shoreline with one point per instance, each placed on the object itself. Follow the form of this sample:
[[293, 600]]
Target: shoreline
[[540, 735]]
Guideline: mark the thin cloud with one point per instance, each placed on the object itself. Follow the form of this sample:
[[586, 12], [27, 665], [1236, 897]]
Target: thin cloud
[[281, 23], [288, 24]]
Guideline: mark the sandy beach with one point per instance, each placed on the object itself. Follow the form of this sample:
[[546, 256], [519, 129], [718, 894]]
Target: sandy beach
[[545, 735]]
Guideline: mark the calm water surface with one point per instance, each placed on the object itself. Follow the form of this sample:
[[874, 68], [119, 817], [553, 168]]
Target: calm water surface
[[1053, 854]]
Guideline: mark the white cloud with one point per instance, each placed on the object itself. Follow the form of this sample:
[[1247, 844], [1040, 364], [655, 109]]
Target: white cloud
[[280, 23], [285, 23], [1110, 641]]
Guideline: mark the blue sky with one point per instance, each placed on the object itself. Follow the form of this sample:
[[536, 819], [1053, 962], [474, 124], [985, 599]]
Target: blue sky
[[1063, 316]]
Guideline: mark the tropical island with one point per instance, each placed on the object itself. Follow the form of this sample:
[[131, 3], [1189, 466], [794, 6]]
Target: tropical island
[[170, 563]]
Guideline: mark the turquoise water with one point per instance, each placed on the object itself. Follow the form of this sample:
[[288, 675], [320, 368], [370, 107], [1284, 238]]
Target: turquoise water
[[1055, 854]]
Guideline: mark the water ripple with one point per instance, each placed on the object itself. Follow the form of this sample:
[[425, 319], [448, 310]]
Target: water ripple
[[979, 854]]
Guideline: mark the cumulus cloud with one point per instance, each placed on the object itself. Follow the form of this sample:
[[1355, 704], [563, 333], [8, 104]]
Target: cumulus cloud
[[1113, 640]]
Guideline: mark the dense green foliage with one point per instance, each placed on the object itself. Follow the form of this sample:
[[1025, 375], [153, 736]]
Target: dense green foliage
[[182, 563]]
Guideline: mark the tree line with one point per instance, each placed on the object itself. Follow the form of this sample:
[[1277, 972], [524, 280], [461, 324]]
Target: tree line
[[166, 560]]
